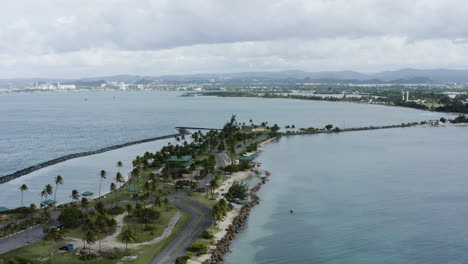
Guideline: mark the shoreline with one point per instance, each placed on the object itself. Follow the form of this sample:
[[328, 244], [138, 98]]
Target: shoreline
[[48, 163], [234, 223], [235, 219], [338, 101]]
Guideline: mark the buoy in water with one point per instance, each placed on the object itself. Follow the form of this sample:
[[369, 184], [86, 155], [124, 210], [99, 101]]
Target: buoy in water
[[291, 211]]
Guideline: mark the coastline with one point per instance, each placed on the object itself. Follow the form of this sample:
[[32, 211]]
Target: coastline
[[234, 220], [338, 101]]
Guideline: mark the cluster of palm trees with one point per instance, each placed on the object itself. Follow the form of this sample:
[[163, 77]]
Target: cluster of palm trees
[[119, 178], [48, 190]]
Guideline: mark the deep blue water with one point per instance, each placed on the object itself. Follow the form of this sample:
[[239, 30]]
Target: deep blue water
[[384, 196]]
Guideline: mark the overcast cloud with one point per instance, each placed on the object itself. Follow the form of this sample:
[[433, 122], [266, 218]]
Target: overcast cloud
[[79, 38]]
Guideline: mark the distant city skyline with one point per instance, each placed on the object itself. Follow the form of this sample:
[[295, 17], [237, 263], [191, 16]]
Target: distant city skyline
[[76, 39]]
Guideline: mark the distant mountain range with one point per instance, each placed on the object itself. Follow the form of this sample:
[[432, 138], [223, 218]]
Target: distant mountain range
[[398, 77]]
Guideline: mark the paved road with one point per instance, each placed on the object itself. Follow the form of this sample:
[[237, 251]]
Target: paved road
[[200, 219], [19, 239]]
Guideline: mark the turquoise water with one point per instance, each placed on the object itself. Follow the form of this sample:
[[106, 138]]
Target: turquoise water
[[385, 196]]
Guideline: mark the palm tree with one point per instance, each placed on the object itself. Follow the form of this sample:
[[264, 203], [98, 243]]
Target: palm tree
[[113, 187], [84, 202], [48, 190], [58, 181], [127, 237], [75, 195], [103, 175], [119, 179], [43, 195], [23, 188], [119, 165]]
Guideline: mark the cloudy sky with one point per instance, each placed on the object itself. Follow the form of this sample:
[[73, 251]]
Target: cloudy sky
[[79, 38]]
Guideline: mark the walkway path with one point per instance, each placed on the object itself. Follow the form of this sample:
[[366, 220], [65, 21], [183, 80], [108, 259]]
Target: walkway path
[[112, 241]]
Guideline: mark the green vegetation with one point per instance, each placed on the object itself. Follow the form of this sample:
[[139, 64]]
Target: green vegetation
[[147, 214], [237, 193], [424, 98]]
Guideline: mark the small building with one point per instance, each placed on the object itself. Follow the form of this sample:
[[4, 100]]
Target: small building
[[256, 128], [49, 203], [3, 209], [180, 161], [246, 159]]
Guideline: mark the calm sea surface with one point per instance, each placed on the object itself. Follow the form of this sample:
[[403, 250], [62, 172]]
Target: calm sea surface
[[384, 196]]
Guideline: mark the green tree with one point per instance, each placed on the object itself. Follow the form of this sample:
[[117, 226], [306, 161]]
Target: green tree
[[329, 127], [119, 179], [103, 176], [75, 195], [275, 128], [102, 226], [127, 236], [237, 192], [43, 196], [119, 165], [70, 217], [166, 203], [23, 188], [58, 181], [113, 187], [54, 234], [84, 202], [49, 189]]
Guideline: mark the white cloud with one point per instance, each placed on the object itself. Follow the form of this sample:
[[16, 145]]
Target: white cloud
[[82, 38]]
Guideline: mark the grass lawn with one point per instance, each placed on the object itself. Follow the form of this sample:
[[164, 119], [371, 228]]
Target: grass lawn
[[201, 197], [40, 250], [158, 225]]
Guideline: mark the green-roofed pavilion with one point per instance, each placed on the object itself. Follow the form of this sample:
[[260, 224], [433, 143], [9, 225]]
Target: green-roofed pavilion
[[181, 161], [184, 158], [85, 194], [3, 209], [246, 158], [130, 189], [49, 202]]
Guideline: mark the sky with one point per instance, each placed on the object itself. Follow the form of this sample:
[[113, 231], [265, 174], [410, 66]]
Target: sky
[[84, 38]]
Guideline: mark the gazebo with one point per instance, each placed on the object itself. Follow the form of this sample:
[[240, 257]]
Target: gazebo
[[87, 194], [247, 159], [3, 209], [49, 203]]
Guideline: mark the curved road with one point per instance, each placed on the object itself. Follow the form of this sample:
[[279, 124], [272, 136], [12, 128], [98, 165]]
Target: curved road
[[200, 220]]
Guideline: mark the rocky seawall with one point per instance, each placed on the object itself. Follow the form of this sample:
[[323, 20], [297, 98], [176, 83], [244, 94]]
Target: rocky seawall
[[222, 246], [39, 166]]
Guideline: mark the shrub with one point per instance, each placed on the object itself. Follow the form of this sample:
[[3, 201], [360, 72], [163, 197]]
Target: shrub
[[183, 259], [116, 210], [21, 260], [70, 217], [198, 248], [207, 234]]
